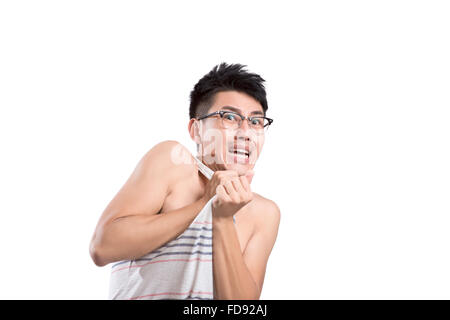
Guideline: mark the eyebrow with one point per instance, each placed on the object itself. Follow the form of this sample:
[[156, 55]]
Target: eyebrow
[[237, 110]]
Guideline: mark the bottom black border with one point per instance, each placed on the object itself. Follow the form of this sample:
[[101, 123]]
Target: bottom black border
[[229, 309]]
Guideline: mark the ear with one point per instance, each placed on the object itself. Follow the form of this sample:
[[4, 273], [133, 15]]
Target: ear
[[194, 131]]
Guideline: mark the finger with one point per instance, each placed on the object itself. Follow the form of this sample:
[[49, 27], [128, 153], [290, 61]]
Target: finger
[[248, 192], [231, 172], [224, 175], [248, 177], [222, 193], [227, 173], [245, 183], [231, 191], [237, 183]]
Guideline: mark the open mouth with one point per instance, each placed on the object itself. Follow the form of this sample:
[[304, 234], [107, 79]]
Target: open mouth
[[240, 152]]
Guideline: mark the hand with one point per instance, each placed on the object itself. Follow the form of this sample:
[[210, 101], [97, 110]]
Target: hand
[[219, 177], [233, 192]]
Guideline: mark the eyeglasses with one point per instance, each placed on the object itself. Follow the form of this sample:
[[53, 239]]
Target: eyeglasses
[[233, 120]]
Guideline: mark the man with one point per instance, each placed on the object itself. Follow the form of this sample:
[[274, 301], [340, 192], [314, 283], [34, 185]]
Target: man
[[167, 191]]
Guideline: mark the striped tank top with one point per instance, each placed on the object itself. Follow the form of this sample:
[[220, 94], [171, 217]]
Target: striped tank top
[[180, 269]]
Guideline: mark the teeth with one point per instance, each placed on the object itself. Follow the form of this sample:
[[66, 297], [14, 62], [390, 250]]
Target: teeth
[[240, 152]]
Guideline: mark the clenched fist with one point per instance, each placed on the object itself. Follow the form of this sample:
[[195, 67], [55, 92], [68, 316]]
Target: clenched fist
[[233, 192]]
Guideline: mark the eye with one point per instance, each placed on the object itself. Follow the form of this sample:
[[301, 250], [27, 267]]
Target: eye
[[229, 116], [257, 122]]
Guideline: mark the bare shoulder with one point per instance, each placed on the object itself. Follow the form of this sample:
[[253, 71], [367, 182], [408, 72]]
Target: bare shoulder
[[266, 211], [170, 157], [167, 152], [147, 187], [263, 202]]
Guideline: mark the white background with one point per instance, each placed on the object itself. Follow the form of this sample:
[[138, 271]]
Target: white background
[[357, 158]]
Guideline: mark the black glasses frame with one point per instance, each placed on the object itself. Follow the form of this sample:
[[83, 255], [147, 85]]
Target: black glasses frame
[[222, 112]]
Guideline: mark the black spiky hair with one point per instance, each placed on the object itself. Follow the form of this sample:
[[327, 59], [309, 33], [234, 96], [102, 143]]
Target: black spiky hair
[[226, 77]]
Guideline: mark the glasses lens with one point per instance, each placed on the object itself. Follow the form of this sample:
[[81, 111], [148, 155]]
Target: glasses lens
[[259, 123], [231, 120]]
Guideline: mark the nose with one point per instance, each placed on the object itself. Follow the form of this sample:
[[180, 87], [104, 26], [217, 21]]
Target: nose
[[244, 132], [244, 125]]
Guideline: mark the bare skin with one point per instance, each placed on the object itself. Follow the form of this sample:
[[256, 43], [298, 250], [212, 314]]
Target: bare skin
[[162, 198], [194, 181]]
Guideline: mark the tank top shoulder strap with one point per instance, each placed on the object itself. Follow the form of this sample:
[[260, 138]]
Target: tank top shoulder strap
[[207, 172]]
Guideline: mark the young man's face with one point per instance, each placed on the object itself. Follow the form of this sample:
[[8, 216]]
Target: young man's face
[[222, 146]]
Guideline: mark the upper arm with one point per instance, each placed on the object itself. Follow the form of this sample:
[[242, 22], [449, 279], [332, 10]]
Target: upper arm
[[261, 242], [146, 189]]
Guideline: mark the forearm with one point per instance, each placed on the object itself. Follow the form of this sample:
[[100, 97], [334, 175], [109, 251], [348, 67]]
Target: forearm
[[133, 236], [232, 279]]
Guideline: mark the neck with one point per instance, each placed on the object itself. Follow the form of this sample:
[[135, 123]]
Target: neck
[[203, 180]]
